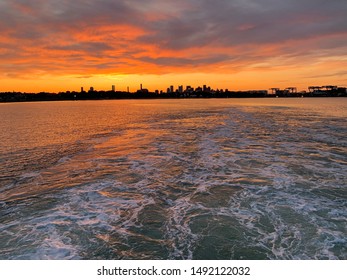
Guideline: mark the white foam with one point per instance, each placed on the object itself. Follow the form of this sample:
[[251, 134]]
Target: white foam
[[30, 175]]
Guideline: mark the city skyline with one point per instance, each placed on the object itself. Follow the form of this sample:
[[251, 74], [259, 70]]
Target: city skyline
[[180, 88], [180, 91], [238, 45]]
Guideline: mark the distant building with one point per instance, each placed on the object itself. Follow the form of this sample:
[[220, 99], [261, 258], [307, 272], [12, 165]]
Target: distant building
[[142, 90], [180, 89], [328, 90], [113, 88]]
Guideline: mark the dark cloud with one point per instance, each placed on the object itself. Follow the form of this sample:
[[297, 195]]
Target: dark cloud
[[181, 62], [248, 22], [89, 47]]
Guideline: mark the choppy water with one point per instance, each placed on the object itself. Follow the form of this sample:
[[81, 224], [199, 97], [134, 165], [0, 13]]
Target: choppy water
[[174, 179]]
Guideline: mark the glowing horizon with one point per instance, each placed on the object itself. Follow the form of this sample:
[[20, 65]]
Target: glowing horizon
[[237, 45]]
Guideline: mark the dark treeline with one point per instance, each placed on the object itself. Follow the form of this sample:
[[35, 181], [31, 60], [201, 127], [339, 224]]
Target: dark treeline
[[145, 94]]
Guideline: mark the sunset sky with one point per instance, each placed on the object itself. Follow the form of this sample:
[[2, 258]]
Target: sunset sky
[[59, 45]]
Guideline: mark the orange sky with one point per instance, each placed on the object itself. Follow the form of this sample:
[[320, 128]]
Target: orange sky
[[58, 45]]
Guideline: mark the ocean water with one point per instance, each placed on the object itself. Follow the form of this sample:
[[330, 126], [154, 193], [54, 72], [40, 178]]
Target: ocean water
[[174, 179]]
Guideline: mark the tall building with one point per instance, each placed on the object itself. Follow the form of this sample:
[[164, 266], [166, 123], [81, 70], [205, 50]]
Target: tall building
[[113, 88], [171, 88]]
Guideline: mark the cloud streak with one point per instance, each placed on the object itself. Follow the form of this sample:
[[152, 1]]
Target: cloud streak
[[155, 36]]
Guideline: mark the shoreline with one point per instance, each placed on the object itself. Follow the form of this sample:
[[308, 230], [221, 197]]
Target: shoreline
[[49, 97]]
